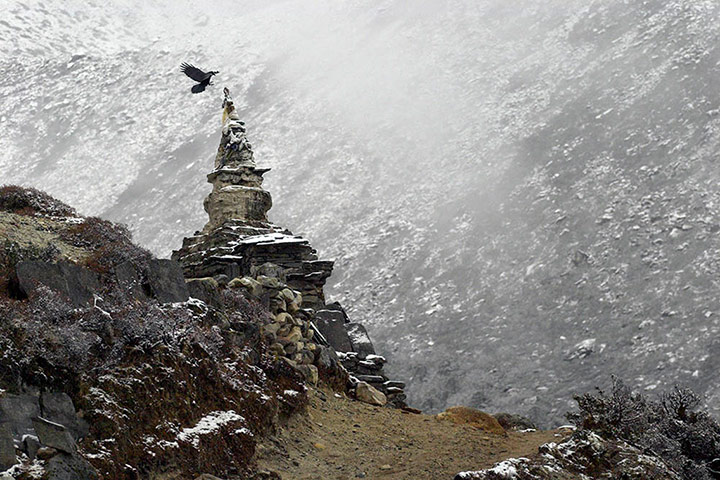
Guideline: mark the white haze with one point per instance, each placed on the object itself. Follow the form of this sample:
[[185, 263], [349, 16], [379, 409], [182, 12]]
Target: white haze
[[452, 156]]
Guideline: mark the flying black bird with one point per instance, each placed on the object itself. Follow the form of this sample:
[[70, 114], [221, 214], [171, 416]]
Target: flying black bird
[[197, 75]]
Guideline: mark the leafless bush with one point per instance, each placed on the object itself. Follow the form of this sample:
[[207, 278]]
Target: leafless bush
[[670, 428], [29, 201], [239, 307], [111, 243]]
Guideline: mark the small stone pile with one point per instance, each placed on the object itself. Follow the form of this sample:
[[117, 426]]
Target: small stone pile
[[357, 354]]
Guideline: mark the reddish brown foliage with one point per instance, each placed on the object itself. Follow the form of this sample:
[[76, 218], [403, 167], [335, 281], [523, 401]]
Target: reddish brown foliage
[[111, 243], [29, 201]]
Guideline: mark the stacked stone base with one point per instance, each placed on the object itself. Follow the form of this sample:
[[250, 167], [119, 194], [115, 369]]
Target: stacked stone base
[[240, 248], [370, 371], [289, 332], [357, 354]]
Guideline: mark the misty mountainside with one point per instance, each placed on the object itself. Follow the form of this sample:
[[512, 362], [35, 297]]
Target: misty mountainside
[[521, 197]]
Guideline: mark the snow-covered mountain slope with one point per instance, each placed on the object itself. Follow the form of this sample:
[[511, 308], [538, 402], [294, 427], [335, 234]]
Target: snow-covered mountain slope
[[521, 196]]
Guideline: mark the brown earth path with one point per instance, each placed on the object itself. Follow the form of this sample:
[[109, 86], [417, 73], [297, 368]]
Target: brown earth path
[[342, 439]]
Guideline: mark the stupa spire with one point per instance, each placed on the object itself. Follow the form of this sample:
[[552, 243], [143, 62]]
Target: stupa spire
[[237, 192]]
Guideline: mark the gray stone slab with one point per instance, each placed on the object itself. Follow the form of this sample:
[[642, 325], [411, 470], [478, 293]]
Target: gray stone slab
[[360, 340], [17, 412], [54, 435], [69, 467], [30, 445], [58, 408], [7, 448], [205, 289], [332, 326], [71, 281], [129, 279], [166, 281]]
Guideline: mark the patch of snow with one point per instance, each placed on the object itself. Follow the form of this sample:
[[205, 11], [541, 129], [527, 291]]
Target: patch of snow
[[208, 424], [505, 469], [164, 444]]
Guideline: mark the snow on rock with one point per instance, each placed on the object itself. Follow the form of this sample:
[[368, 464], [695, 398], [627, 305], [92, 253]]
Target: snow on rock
[[506, 470], [210, 423], [573, 458]]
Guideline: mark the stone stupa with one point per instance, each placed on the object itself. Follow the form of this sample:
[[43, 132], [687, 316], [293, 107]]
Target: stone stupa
[[238, 239]]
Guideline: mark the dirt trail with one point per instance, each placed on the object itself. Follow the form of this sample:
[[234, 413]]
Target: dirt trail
[[346, 439]]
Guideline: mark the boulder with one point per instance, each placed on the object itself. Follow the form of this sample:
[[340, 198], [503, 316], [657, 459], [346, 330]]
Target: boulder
[[327, 358], [166, 281], [372, 379], [206, 289], [268, 269], [295, 335], [474, 418], [336, 307], [250, 284], [46, 453], [71, 281], [307, 357], [270, 282], [17, 411], [277, 349], [296, 303], [283, 318], [69, 467], [54, 435], [309, 372], [129, 279], [369, 394], [511, 421], [272, 328], [331, 325], [359, 340], [30, 445], [58, 407], [7, 448]]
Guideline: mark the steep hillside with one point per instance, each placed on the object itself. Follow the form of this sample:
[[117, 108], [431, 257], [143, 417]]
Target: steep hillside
[[115, 365], [521, 198]]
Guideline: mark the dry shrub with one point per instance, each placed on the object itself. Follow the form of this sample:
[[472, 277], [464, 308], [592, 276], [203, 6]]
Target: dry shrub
[[111, 244], [671, 428], [29, 201], [140, 370]]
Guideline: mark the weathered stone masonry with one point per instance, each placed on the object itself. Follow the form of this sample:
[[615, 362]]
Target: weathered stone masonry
[[241, 247]]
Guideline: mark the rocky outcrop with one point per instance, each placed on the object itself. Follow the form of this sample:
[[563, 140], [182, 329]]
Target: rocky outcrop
[[160, 279], [25, 433], [71, 281], [290, 332], [584, 455]]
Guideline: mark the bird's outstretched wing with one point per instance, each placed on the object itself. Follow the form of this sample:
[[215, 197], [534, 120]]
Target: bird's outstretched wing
[[193, 72]]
